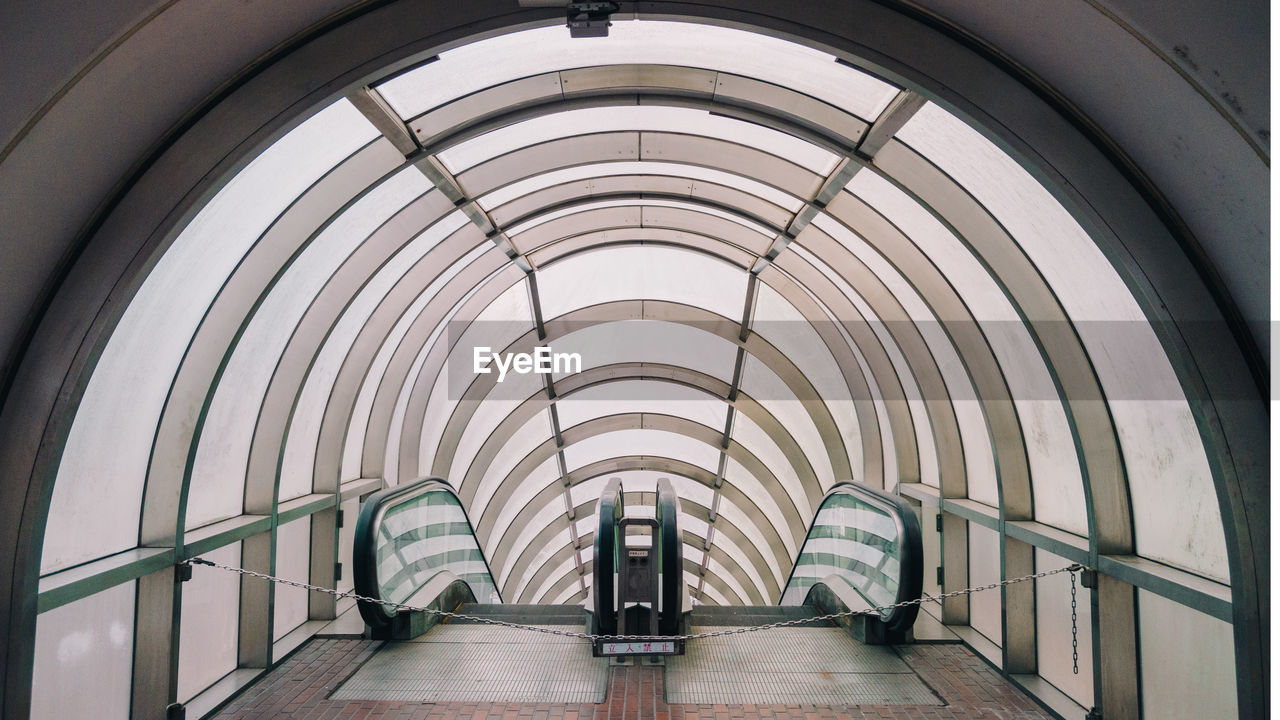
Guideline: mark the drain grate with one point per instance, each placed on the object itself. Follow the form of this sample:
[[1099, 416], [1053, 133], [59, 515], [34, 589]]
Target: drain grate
[[481, 663], [815, 666]]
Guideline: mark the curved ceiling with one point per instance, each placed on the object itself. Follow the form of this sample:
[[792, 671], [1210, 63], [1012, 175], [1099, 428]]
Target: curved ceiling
[[780, 271], [851, 283]]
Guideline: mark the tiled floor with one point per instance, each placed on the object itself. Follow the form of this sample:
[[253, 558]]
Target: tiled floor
[[301, 687]]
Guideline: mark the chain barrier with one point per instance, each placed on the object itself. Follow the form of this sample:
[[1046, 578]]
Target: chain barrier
[[1075, 647], [640, 638]]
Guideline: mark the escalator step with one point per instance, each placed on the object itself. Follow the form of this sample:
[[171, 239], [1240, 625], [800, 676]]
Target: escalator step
[[748, 615], [525, 614]]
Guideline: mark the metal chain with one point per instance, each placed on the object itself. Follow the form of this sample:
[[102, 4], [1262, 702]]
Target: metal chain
[[1075, 648], [633, 638]]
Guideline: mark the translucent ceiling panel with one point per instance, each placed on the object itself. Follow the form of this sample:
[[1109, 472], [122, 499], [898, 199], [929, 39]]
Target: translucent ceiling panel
[[649, 273], [657, 118], [539, 595], [532, 434], [750, 523], [489, 412], [717, 569], [84, 657], [97, 496], [979, 461], [555, 214], [911, 390], [644, 396], [889, 458], [543, 555], [756, 489], [749, 435], [1167, 470], [521, 188], [710, 595], [1058, 491], [503, 321], [391, 457], [468, 68], [766, 388], [784, 327], [217, 477], [648, 341], [658, 443], [308, 430], [567, 596], [524, 498]]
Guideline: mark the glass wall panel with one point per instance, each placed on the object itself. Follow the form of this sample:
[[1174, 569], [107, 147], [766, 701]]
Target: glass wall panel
[[354, 447], [657, 443], [346, 543], [1055, 472], [780, 323], [1053, 630], [468, 68], [927, 450], [217, 476], [984, 569], [1168, 473], [1188, 661], [518, 189], [84, 657], [650, 341], [655, 273], [208, 646], [97, 496], [980, 471], [644, 396], [293, 562]]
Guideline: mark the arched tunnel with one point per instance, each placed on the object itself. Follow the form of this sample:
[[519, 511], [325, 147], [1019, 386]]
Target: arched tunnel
[[1008, 263]]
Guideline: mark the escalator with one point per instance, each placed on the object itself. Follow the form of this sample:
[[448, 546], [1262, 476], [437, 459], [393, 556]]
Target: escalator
[[415, 545]]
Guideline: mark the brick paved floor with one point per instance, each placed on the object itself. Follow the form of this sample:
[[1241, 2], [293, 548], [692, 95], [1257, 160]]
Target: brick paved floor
[[299, 689]]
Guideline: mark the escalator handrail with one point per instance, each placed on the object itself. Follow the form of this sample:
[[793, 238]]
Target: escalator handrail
[[671, 556], [910, 583], [609, 512], [364, 571]]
